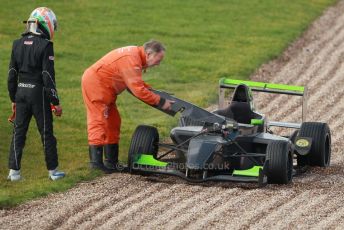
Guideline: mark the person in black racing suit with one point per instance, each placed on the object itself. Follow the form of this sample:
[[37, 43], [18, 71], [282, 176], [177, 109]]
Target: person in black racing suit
[[32, 90]]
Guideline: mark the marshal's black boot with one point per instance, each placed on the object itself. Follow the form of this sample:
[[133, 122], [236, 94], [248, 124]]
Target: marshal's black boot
[[111, 156], [96, 158]]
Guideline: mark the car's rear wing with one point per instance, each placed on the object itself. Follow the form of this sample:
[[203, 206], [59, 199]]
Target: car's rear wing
[[226, 83]]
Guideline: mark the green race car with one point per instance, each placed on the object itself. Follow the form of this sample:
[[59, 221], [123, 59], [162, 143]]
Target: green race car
[[234, 143]]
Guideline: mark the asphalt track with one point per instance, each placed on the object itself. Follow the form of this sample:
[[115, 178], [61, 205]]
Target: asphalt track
[[314, 200]]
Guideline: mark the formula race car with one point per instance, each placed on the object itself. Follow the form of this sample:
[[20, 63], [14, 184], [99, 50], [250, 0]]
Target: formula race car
[[234, 143]]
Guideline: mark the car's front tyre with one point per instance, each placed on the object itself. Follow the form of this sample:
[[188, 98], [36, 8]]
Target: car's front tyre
[[280, 162], [145, 140]]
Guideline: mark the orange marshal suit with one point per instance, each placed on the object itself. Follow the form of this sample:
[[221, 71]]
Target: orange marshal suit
[[118, 70]]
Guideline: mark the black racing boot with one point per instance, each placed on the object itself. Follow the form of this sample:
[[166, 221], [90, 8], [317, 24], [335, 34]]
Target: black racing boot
[[111, 156], [96, 158]]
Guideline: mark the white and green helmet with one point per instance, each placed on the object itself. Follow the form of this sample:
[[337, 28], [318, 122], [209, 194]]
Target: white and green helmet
[[46, 18]]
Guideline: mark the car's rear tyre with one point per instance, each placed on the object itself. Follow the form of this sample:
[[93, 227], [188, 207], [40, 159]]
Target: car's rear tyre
[[320, 153], [280, 167], [145, 140]]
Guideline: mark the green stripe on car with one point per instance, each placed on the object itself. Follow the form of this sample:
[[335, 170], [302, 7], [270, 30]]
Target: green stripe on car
[[257, 121], [146, 159], [262, 85], [254, 172]]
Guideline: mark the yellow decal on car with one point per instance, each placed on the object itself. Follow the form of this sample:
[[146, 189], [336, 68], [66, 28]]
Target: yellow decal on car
[[302, 143]]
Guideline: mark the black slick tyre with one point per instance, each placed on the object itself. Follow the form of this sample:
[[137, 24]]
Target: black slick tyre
[[320, 153], [145, 140], [280, 167]]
